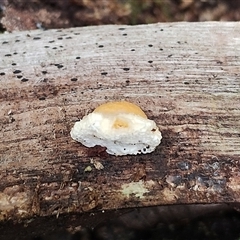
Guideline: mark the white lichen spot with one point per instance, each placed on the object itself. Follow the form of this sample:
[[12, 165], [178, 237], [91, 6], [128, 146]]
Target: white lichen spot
[[169, 195], [138, 189], [88, 169], [98, 165]]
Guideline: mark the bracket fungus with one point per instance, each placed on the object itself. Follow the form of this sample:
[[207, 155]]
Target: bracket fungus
[[121, 127]]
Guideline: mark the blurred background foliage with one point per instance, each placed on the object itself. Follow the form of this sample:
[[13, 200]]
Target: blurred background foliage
[[32, 14]]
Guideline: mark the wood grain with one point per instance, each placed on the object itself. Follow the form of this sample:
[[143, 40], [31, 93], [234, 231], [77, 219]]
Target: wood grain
[[185, 76]]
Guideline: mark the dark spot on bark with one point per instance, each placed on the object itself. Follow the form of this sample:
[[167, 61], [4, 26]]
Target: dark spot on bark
[[127, 82], [58, 65], [36, 38], [126, 69], [14, 64], [17, 40], [153, 130], [46, 46], [150, 61], [78, 57], [42, 98], [161, 49], [54, 48], [44, 72], [17, 71], [125, 34], [15, 53], [161, 29], [133, 50], [51, 41], [76, 33], [73, 79], [5, 42], [19, 76], [24, 80], [100, 46], [187, 83], [121, 29], [8, 55], [2, 73], [60, 38], [104, 73], [184, 166], [11, 120], [170, 55], [68, 37], [150, 45]]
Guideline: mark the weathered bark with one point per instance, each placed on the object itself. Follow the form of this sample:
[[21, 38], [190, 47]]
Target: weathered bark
[[185, 76]]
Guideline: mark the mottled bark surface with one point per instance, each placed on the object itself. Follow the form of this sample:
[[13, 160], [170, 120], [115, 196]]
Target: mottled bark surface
[[185, 76]]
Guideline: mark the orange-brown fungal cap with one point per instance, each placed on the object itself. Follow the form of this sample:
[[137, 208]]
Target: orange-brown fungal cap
[[120, 107]]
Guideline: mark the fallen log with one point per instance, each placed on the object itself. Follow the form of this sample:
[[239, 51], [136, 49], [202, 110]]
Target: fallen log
[[185, 76]]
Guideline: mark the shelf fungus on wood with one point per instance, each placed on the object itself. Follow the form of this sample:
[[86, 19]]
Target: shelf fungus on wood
[[122, 127]]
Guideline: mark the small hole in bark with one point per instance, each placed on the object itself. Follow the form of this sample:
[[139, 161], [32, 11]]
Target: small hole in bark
[[100, 46], [42, 98], [24, 80], [150, 61], [2, 73], [104, 73], [17, 71], [150, 45], [126, 69], [78, 57], [73, 79]]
